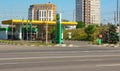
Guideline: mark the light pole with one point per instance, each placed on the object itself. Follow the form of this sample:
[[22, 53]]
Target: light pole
[[119, 28], [73, 15], [22, 28], [117, 13], [118, 19], [12, 30], [47, 8]]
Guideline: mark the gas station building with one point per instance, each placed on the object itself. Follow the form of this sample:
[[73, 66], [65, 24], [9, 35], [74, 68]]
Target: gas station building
[[30, 30]]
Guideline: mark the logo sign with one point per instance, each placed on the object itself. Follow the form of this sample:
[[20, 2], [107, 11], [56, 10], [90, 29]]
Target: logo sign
[[58, 18]]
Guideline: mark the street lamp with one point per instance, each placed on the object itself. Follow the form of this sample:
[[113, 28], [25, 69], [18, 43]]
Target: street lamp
[[73, 15], [12, 30], [119, 28], [47, 8]]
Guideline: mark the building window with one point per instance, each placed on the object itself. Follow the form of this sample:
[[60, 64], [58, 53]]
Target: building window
[[49, 13]]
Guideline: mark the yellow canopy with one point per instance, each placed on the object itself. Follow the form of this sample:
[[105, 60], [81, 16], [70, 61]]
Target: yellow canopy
[[35, 22]]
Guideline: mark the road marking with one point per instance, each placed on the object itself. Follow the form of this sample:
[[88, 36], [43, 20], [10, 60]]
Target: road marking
[[103, 51], [51, 57], [83, 60], [7, 63], [66, 52], [108, 65]]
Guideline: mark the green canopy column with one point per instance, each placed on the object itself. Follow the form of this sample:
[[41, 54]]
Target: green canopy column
[[6, 36], [20, 32]]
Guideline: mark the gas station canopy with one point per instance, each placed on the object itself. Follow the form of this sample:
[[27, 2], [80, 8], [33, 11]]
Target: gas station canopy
[[35, 22]]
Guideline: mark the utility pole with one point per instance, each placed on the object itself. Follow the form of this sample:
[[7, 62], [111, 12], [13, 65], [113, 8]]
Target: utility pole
[[12, 30], [31, 29], [27, 28], [115, 17], [118, 19], [47, 6], [22, 30], [119, 28], [117, 13], [73, 15]]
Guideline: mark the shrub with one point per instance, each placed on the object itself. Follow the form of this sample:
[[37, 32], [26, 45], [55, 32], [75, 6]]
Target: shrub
[[110, 35], [77, 34], [89, 31]]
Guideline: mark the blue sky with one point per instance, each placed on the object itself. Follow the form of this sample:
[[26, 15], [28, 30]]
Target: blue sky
[[11, 9]]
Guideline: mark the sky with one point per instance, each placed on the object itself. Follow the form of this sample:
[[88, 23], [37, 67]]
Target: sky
[[18, 9]]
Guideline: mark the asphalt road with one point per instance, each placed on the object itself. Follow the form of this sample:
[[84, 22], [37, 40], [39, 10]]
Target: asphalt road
[[83, 58]]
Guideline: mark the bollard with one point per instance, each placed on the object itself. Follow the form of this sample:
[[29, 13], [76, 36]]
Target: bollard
[[99, 41]]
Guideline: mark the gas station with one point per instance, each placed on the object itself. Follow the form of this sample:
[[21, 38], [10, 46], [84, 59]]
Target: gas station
[[32, 29]]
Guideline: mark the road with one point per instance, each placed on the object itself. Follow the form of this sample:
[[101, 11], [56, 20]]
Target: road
[[29, 58]]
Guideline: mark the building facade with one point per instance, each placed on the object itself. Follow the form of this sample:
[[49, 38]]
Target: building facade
[[88, 11], [42, 12]]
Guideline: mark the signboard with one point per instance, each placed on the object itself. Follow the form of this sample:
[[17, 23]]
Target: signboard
[[100, 36], [59, 38]]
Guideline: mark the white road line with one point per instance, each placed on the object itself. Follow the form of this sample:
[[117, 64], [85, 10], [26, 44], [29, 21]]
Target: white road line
[[108, 65], [103, 51], [83, 60], [7, 63], [67, 52], [93, 65], [50, 57]]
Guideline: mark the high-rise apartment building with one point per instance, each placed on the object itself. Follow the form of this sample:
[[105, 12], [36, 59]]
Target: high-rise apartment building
[[42, 12], [88, 11]]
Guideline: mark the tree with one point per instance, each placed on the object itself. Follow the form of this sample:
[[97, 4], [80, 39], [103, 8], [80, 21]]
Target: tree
[[80, 24], [110, 35], [89, 31]]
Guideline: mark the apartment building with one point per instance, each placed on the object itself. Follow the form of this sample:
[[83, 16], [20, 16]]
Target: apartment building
[[42, 12], [88, 11]]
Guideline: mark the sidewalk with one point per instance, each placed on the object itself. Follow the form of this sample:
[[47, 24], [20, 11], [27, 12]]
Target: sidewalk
[[66, 44], [77, 42], [112, 45]]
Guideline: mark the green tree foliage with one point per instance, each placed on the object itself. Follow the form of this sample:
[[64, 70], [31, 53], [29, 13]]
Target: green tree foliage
[[110, 35], [89, 31], [77, 34], [80, 24]]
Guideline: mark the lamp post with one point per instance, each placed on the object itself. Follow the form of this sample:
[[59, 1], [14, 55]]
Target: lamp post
[[22, 29], [119, 21], [46, 27], [73, 15], [117, 13], [12, 30]]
